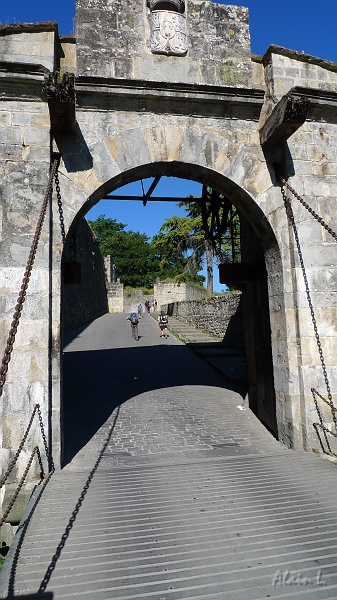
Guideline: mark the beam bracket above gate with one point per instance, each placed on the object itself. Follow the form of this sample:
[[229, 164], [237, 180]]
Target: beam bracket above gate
[[61, 103], [288, 116]]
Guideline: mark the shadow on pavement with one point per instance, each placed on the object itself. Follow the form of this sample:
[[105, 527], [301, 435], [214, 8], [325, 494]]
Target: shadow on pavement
[[96, 382], [45, 596]]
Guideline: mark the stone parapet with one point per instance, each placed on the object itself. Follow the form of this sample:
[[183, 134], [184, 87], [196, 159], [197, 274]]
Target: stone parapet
[[219, 315], [287, 69], [31, 43], [122, 42], [115, 293], [166, 293]]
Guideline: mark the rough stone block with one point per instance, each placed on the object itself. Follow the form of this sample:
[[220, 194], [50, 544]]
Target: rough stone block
[[21, 502], [36, 137], [31, 46]]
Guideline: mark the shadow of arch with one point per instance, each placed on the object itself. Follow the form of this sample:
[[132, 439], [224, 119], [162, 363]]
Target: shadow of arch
[[262, 296]]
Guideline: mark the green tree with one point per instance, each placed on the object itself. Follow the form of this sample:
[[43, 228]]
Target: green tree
[[137, 263], [175, 260], [216, 230], [211, 230]]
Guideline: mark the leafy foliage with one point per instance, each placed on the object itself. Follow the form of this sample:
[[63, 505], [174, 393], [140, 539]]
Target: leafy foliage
[[104, 230], [177, 252], [225, 245], [183, 239], [136, 262], [171, 245]]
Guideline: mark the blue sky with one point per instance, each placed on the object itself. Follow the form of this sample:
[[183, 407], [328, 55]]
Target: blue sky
[[303, 25]]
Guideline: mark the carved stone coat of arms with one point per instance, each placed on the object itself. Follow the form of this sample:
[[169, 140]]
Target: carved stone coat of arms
[[168, 33]]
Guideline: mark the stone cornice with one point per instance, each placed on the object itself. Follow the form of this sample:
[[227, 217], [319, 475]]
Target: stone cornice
[[39, 27], [176, 98], [22, 81], [68, 39], [315, 95], [16, 69], [257, 58], [323, 103]]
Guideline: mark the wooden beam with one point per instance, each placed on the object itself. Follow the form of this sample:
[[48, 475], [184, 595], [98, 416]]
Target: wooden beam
[[234, 273], [288, 115], [153, 198], [61, 103]]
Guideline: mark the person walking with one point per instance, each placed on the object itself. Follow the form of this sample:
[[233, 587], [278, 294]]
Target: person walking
[[163, 324], [134, 325]]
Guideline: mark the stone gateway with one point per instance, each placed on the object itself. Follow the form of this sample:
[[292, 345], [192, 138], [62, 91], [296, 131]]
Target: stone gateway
[[171, 88]]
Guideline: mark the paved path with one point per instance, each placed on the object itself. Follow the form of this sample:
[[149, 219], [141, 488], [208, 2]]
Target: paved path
[[170, 491]]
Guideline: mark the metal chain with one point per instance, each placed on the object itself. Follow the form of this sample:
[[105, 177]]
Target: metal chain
[[12, 463], [44, 438], [320, 424], [18, 489], [291, 218], [22, 295], [11, 339], [59, 204], [311, 211]]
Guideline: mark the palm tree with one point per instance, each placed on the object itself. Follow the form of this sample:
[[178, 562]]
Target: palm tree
[[210, 229]]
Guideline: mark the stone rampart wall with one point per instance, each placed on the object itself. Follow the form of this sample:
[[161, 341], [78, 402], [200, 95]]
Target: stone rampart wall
[[115, 297], [86, 300], [217, 44], [133, 297], [219, 315], [166, 293], [30, 44], [286, 69]]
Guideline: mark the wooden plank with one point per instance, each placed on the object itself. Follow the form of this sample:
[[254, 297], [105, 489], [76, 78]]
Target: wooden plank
[[288, 115], [234, 273], [61, 103]]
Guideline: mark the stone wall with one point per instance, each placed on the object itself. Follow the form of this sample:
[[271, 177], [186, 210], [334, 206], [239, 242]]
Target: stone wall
[[133, 297], [166, 116], [219, 315], [218, 43], [126, 300], [286, 69], [85, 300], [31, 44], [68, 56], [165, 293], [115, 297]]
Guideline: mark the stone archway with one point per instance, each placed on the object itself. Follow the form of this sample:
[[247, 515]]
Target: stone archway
[[261, 247], [204, 108]]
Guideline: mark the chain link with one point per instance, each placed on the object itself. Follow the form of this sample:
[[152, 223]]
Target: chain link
[[37, 410], [60, 207], [13, 462], [311, 211], [22, 295], [44, 439], [35, 451], [290, 214], [21, 482], [320, 424]]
